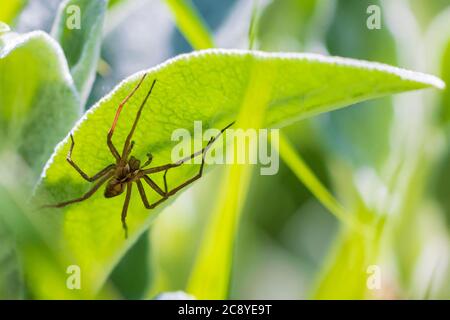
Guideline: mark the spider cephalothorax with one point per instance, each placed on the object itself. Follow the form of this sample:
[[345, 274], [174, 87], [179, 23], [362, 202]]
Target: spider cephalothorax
[[120, 176]]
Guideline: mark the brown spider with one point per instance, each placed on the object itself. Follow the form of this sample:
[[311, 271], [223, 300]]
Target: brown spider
[[128, 169]]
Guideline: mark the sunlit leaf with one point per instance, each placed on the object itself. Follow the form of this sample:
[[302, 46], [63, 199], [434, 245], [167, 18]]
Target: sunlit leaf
[[10, 9]]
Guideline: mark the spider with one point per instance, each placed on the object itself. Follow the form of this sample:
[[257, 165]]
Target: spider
[[127, 169]]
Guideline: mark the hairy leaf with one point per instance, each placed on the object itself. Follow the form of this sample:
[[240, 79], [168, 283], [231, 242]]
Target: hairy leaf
[[38, 100]]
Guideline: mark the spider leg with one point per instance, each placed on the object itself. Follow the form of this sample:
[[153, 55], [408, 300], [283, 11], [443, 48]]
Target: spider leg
[[157, 203], [125, 208], [111, 146], [188, 182], [130, 148], [165, 181], [149, 160], [80, 171], [154, 186], [142, 193], [180, 162], [165, 194], [136, 120], [203, 151], [169, 166], [87, 195], [144, 196]]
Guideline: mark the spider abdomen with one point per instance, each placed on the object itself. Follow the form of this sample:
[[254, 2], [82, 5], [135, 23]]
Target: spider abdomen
[[114, 188]]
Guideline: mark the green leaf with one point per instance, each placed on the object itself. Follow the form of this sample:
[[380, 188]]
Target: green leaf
[[10, 9], [349, 266], [114, 3], [10, 273], [4, 28], [81, 40], [355, 248], [292, 24], [211, 274], [209, 86], [38, 101], [134, 285], [295, 162], [190, 24], [348, 133], [438, 49], [373, 118], [43, 263]]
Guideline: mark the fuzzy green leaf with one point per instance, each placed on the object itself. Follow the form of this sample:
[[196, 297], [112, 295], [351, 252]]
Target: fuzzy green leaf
[[38, 100], [209, 86], [78, 28]]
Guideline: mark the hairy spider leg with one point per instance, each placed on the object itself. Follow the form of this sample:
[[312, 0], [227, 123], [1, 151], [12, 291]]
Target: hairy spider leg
[[181, 161], [125, 208], [111, 146], [107, 170], [126, 149], [87, 195], [166, 194], [80, 171]]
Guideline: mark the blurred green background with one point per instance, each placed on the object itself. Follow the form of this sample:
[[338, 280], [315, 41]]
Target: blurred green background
[[386, 160]]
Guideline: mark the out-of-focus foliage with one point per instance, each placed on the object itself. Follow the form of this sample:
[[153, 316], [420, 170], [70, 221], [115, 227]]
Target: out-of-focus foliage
[[9, 9], [191, 24], [78, 29], [292, 25], [10, 272], [38, 101], [427, 11]]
